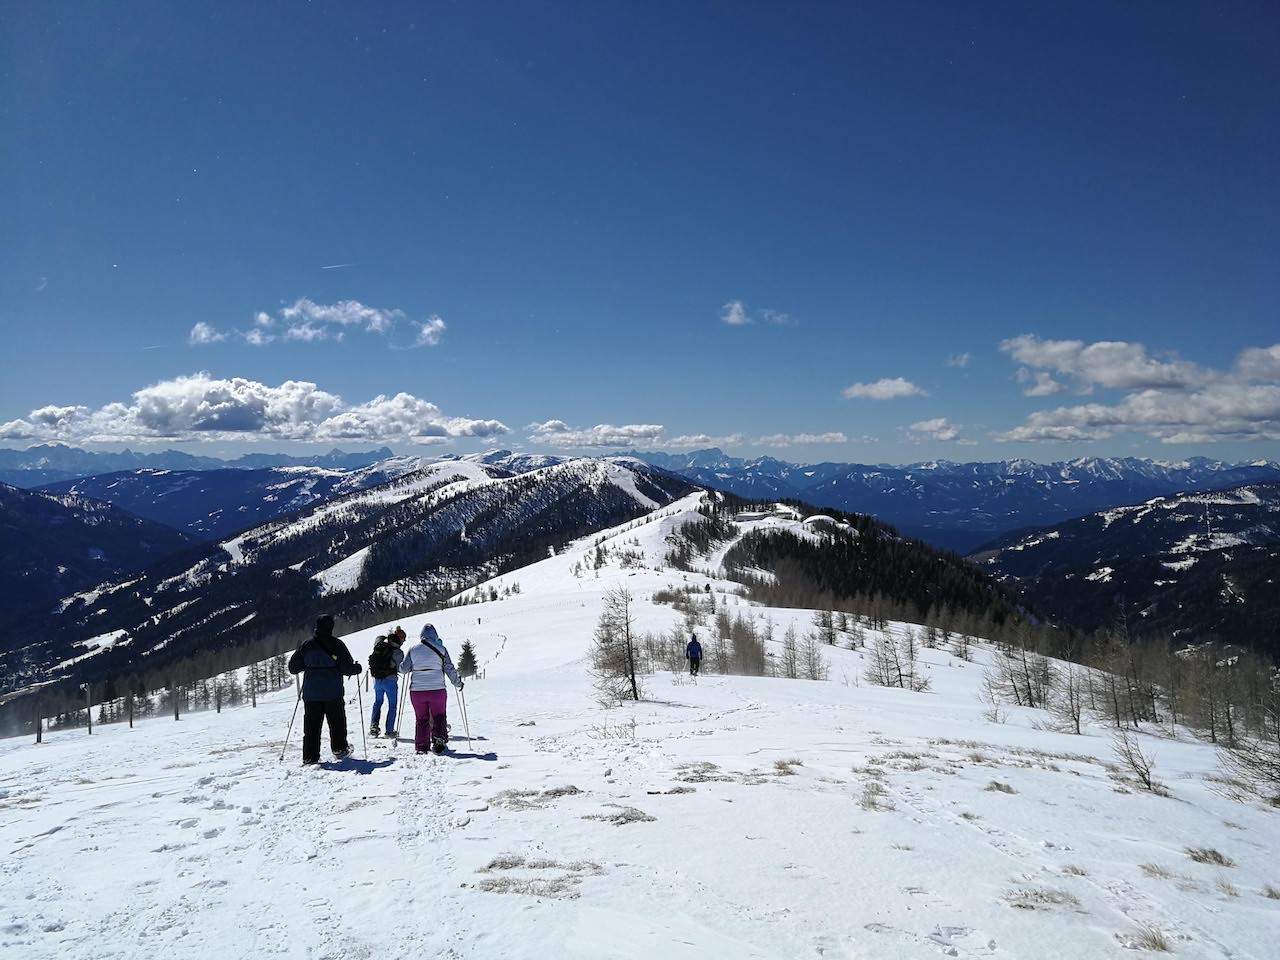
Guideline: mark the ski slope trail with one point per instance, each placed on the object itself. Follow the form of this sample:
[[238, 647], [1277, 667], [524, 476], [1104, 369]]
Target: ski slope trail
[[732, 817]]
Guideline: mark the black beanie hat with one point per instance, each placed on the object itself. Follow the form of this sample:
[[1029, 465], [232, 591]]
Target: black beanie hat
[[324, 624]]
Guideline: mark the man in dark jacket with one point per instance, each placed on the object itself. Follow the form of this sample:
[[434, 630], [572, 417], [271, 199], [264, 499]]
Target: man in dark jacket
[[324, 662], [693, 653]]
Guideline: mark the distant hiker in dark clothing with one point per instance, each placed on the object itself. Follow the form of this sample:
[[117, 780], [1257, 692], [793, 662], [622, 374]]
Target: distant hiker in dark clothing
[[427, 665], [693, 653], [384, 666], [324, 662]]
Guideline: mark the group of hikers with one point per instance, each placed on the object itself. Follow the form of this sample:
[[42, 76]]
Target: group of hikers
[[325, 662]]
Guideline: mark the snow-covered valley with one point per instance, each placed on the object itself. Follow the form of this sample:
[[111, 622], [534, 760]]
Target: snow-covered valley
[[727, 817]]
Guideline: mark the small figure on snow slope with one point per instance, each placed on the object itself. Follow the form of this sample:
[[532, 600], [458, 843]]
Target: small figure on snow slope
[[324, 662], [427, 665], [693, 653], [384, 666]]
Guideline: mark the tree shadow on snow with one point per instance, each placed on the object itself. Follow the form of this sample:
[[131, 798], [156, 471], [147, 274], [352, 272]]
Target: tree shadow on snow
[[352, 765]]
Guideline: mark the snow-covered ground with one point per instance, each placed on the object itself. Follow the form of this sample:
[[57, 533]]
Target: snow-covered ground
[[731, 817]]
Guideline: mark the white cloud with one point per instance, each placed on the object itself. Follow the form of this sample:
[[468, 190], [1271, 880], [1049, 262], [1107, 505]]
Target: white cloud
[[1259, 363], [308, 332], [939, 428], [202, 334], [202, 407], [305, 321], [691, 441], [1114, 364], [1208, 406], [429, 331], [735, 314], [344, 313], [800, 439], [559, 434], [1040, 383], [959, 360], [886, 388]]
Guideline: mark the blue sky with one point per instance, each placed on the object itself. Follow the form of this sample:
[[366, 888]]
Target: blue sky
[[850, 232]]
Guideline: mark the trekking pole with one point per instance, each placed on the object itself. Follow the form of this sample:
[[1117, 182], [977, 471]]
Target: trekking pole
[[289, 733], [364, 742], [404, 688], [462, 702]]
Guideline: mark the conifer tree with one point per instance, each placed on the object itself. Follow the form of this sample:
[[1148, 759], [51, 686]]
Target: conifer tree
[[467, 665]]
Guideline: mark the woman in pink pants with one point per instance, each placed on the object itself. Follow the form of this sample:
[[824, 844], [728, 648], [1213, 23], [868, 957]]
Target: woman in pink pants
[[428, 664]]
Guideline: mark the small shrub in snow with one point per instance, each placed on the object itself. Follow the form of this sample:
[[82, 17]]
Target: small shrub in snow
[[1270, 892], [1074, 870], [1226, 887], [994, 714], [532, 799], [787, 768], [1156, 871], [1149, 937], [1134, 762], [622, 817], [1039, 898], [1252, 764], [1210, 856], [703, 771], [995, 786], [875, 797]]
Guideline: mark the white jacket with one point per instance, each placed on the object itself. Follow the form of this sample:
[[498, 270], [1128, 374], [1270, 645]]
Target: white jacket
[[427, 664]]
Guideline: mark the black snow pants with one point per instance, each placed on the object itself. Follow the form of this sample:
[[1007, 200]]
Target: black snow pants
[[695, 663], [316, 712]]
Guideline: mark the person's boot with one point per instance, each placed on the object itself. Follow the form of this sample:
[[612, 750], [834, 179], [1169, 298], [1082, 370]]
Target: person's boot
[[373, 730], [391, 734], [342, 754]]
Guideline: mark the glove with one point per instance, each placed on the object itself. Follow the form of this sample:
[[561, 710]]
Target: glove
[[355, 670]]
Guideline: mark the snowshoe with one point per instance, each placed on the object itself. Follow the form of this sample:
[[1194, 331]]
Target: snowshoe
[[439, 744], [392, 734], [421, 750], [342, 754], [373, 731]]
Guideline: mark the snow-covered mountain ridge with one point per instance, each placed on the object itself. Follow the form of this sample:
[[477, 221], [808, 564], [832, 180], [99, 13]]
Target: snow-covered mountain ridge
[[731, 817], [1198, 565], [210, 504], [54, 544], [423, 534]]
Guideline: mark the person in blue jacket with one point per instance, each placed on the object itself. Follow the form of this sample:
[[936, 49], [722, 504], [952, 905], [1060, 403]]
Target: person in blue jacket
[[324, 662], [693, 653]]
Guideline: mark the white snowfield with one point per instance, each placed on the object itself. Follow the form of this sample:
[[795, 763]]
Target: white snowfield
[[732, 817]]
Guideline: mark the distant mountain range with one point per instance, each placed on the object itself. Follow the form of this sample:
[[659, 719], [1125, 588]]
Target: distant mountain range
[[52, 545], [1195, 566], [961, 506], [211, 504], [50, 462]]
